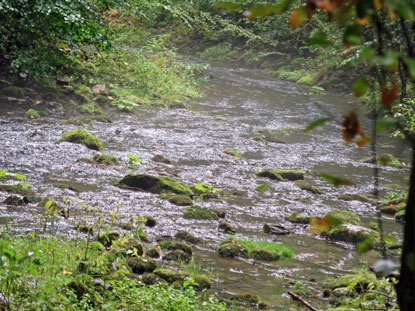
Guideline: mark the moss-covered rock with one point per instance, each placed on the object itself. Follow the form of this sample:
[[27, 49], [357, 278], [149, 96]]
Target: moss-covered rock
[[202, 282], [106, 239], [32, 114], [389, 159], [105, 159], [177, 255], [277, 174], [13, 91], [226, 228], [262, 254], [172, 245], [307, 187], [339, 216], [400, 216], [187, 237], [161, 159], [298, 218], [141, 265], [233, 250], [153, 253], [270, 174], [90, 108], [349, 233], [246, 298], [151, 279], [133, 248], [155, 184], [170, 275], [180, 200], [355, 197], [82, 136], [197, 212], [150, 222]]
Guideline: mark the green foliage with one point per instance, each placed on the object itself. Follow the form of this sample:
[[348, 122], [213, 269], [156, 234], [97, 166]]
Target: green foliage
[[281, 250], [38, 35], [134, 160]]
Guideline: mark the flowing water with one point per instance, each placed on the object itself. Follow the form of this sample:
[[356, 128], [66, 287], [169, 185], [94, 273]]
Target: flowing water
[[237, 104]]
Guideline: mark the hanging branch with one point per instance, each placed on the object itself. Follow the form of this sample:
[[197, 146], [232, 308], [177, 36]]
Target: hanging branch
[[304, 302]]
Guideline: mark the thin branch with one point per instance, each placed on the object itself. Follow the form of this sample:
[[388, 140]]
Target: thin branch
[[305, 303]]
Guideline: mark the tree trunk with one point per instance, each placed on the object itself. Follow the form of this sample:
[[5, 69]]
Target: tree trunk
[[406, 286]]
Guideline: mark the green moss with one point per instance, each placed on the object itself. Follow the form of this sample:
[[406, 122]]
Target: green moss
[[155, 184], [271, 174], [161, 159], [362, 281], [389, 159], [400, 216], [171, 245], [105, 159], [32, 114], [150, 279], [81, 89], [153, 253], [307, 187], [202, 282], [256, 247], [246, 298], [82, 136], [187, 237], [90, 108], [170, 275], [180, 200], [233, 152], [306, 79], [18, 189], [141, 265], [13, 91], [73, 121], [197, 212]]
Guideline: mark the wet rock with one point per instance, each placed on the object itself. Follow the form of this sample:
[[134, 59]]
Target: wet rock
[[400, 216], [298, 219], [104, 159], [275, 229], [197, 212], [15, 201], [261, 254], [226, 228], [349, 233], [270, 174], [201, 282], [180, 200], [151, 279], [161, 159], [172, 245], [150, 222], [177, 255], [99, 89], [307, 187], [141, 265], [82, 136], [355, 197], [32, 114], [170, 275], [155, 184], [246, 298], [153, 253], [233, 250], [13, 91], [90, 108], [187, 237], [342, 292], [106, 239]]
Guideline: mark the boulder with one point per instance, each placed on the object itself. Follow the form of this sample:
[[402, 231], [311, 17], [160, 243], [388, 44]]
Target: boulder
[[83, 137], [177, 255], [307, 187], [275, 229], [180, 200], [141, 265], [298, 219], [349, 233], [104, 159], [187, 237], [233, 250], [197, 212], [171, 246], [226, 228], [155, 184]]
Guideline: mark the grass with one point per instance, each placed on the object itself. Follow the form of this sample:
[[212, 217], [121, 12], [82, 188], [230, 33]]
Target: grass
[[281, 250], [46, 274]]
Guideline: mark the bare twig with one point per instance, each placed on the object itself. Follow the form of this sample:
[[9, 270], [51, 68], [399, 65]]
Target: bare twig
[[298, 298]]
